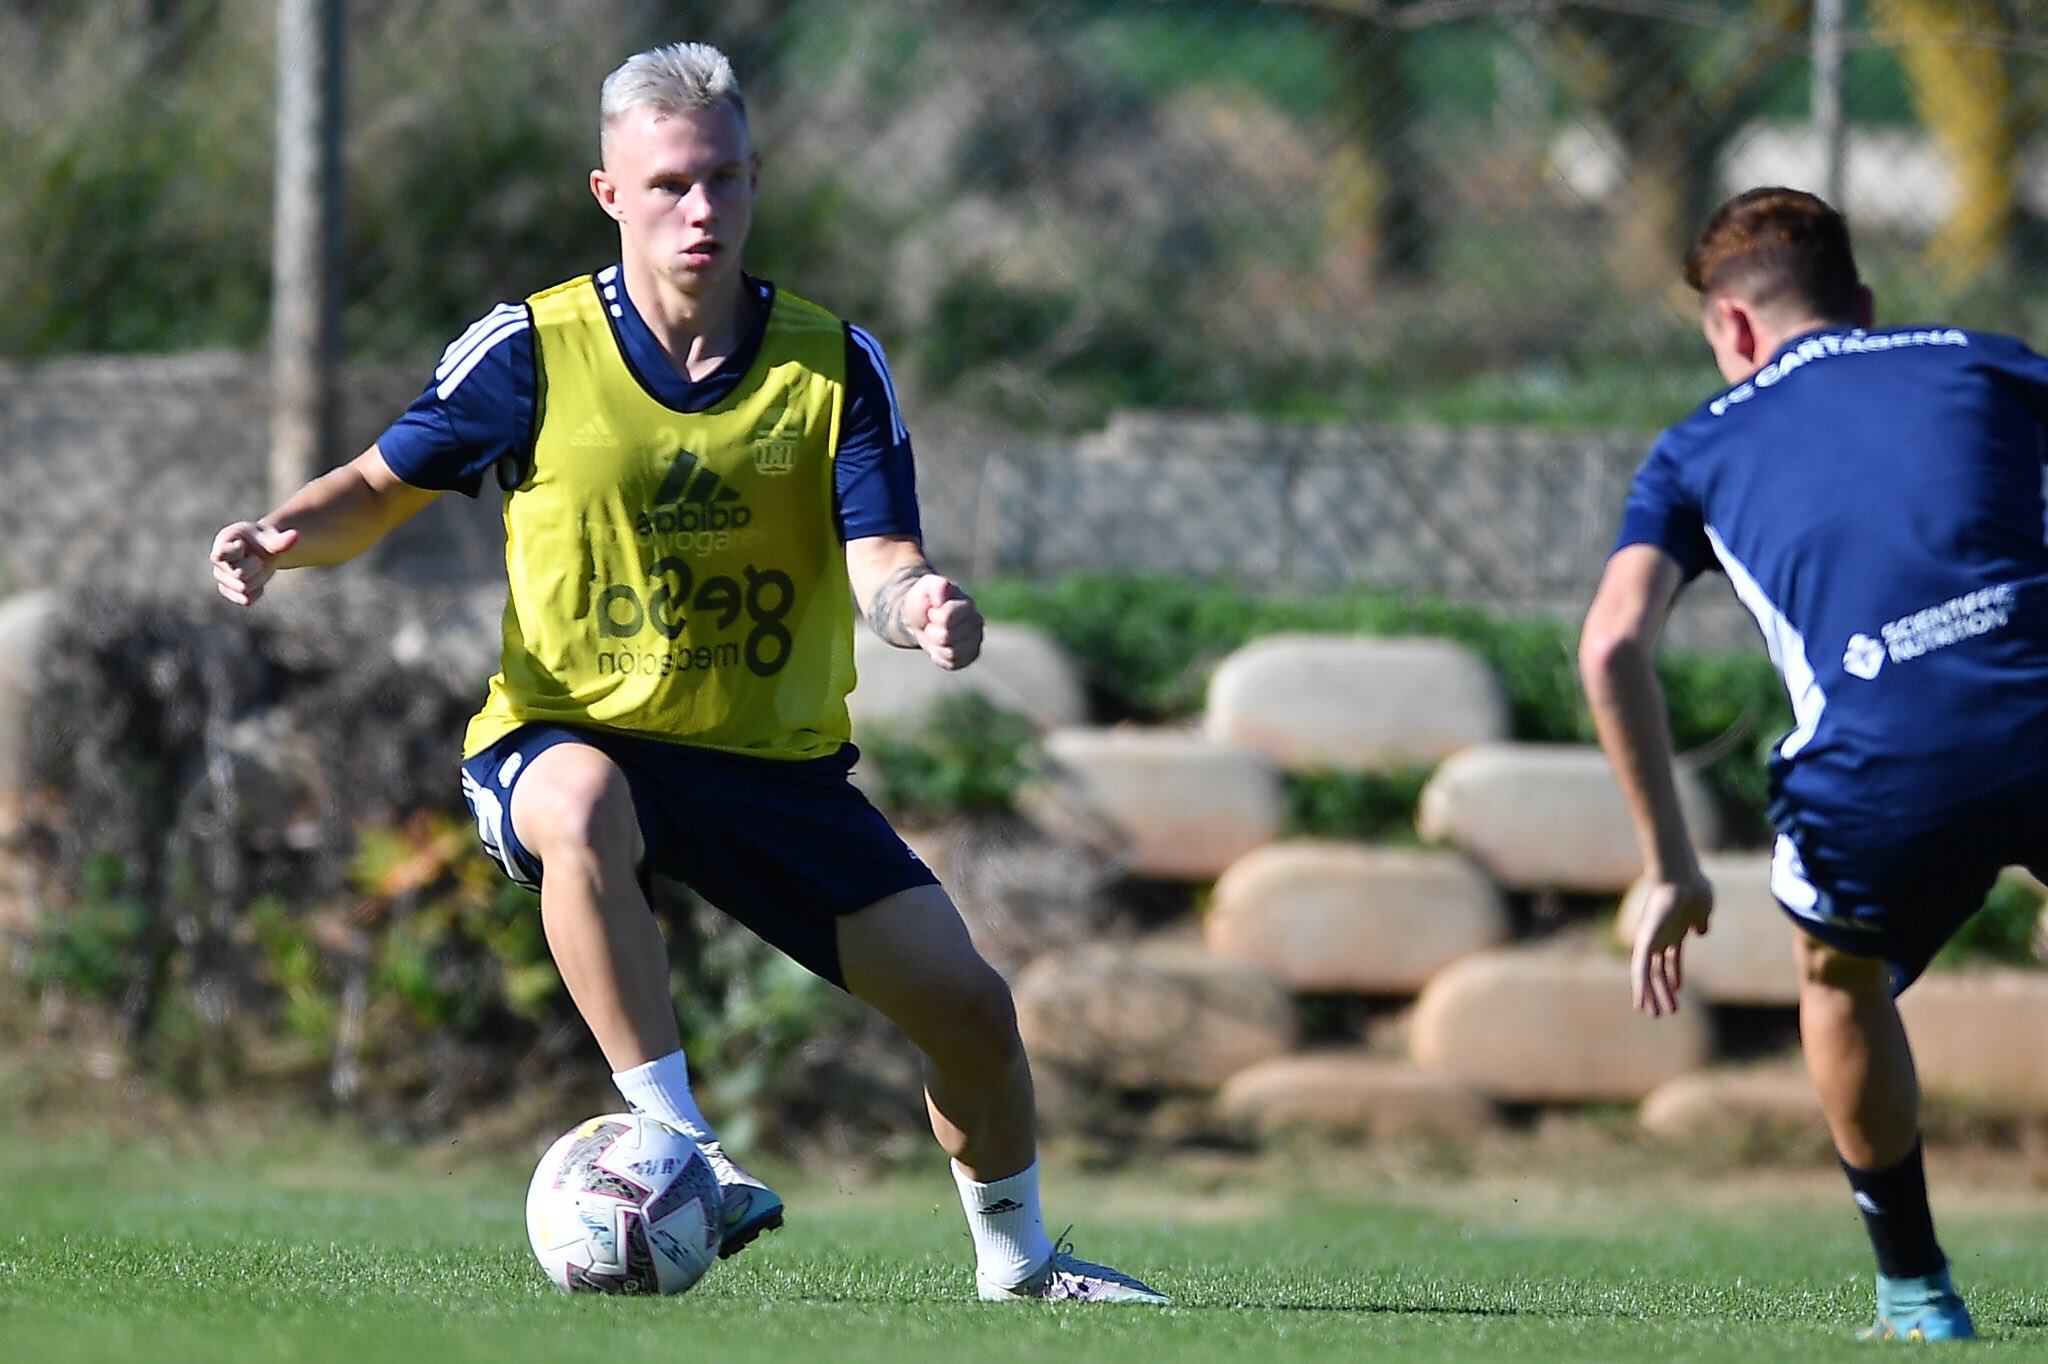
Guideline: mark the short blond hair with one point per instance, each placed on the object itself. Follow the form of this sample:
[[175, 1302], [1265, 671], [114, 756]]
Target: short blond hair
[[670, 80]]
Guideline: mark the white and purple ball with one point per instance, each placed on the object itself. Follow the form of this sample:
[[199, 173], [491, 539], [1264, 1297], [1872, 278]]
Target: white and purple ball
[[624, 1204]]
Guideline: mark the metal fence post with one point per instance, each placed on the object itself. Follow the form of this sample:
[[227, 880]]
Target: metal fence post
[[305, 287], [1828, 124]]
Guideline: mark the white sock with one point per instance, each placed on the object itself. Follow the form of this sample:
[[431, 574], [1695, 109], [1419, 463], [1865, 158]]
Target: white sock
[[1010, 1244], [661, 1090]]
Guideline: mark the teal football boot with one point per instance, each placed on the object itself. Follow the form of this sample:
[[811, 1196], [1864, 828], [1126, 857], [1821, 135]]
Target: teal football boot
[[1926, 1308], [751, 1207]]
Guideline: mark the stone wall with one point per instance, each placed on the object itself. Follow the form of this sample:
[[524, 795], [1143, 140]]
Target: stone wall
[[116, 471]]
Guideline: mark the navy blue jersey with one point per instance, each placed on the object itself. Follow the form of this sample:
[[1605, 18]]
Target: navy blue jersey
[[477, 412], [1876, 500]]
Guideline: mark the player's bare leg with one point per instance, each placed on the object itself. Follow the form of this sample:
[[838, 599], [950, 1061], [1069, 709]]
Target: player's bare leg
[[1862, 1067], [910, 957], [1857, 1053], [573, 810]]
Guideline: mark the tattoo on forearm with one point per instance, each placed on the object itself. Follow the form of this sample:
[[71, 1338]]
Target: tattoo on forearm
[[885, 611]]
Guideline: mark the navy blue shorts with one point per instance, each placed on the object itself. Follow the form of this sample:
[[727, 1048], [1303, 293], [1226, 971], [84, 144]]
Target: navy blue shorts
[[1900, 892], [785, 848]]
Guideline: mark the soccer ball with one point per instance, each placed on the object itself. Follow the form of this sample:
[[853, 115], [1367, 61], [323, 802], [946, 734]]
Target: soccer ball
[[624, 1204]]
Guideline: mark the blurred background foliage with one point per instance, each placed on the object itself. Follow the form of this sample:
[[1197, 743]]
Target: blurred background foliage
[[1056, 208]]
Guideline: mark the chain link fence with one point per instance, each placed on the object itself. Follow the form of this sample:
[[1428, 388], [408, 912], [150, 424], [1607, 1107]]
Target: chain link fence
[[1413, 266]]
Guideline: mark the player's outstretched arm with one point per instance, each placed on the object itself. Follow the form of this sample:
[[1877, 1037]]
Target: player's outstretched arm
[[1615, 660], [909, 603], [335, 517]]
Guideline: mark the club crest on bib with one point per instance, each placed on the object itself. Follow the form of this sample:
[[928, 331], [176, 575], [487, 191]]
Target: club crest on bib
[[777, 440]]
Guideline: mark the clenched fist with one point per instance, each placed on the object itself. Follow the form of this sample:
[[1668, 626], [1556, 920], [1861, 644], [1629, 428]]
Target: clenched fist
[[244, 556], [944, 620]]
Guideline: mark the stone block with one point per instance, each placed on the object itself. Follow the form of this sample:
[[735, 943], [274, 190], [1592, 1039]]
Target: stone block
[[1551, 1026], [1745, 957], [1151, 1016], [1981, 1037], [273, 769], [1354, 703], [457, 636], [1547, 816], [1351, 1094], [1180, 807], [1722, 1105], [1020, 669], [26, 620], [1345, 917]]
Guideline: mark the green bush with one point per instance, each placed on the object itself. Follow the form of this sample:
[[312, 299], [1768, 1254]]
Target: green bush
[[968, 758], [1379, 807], [96, 944], [458, 945], [745, 1012], [296, 970], [2003, 929]]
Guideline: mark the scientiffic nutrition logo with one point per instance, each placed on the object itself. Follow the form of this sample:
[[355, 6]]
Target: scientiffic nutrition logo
[[1969, 616]]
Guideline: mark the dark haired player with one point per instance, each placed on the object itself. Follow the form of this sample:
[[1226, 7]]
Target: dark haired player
[[704, 477], [1875, 498]]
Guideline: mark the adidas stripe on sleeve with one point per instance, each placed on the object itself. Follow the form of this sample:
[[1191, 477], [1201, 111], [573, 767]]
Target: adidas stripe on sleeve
[[475, 412], [875, 472], [467, 350]]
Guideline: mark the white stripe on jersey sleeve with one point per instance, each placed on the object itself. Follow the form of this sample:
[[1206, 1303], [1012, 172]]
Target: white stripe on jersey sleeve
[[458, 349], [874, 353], [476, 353], [488, 319]]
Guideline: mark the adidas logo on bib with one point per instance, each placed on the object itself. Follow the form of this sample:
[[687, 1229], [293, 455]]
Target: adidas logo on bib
[[595, 434], [693, 498]]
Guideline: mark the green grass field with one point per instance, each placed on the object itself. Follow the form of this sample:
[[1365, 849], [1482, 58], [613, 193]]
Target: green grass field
[[323, 1250]]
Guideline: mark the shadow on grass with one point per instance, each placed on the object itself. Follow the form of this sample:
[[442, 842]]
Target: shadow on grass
[[856, 1299], [1377, 1309]]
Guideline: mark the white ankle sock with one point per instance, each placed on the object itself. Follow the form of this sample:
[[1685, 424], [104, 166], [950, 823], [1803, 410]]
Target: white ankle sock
[[661, 1090], [1010, 1244]]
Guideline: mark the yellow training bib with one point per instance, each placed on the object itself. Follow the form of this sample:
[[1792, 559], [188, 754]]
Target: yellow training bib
[[678, 575]]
